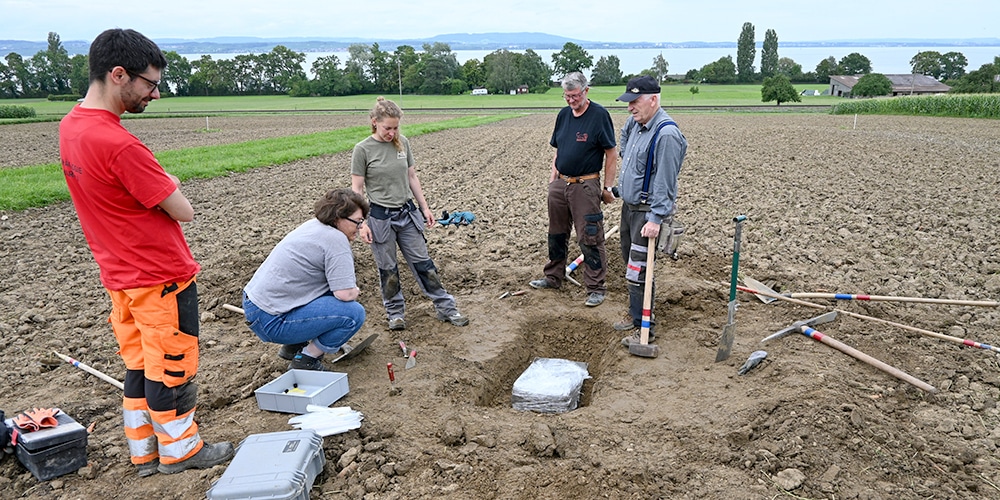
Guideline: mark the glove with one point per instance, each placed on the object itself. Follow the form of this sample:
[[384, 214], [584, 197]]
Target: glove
[[38, 418]]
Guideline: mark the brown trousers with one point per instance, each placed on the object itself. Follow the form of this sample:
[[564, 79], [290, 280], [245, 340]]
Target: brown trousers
[[577, 206]]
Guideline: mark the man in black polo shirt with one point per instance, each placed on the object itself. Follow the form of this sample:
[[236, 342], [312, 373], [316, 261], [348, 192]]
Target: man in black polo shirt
[[584, 139]]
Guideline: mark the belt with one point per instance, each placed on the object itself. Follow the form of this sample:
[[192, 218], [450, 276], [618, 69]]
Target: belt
[[574, 180], [382, 213]]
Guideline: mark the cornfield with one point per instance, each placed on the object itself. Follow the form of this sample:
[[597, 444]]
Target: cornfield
[[960, 106]]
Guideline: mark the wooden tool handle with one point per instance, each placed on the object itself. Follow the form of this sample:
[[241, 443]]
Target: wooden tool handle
[[647, 295], [889, 298], [856, 354]]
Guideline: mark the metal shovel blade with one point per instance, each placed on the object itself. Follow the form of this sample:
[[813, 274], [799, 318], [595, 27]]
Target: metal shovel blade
[[351, 352], [726, 343]]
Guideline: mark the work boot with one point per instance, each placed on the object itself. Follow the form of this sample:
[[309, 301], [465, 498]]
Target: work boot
[[594, 299], [456, 318], [625, 324], [397, 324], [636, 337], [209, 455], [303, 361], [149, 468], [288, 351], [542, 283]]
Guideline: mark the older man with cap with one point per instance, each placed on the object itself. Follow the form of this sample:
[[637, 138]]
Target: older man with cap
[[652, 149]]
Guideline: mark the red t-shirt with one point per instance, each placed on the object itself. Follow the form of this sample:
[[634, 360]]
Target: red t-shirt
[[116, 185]]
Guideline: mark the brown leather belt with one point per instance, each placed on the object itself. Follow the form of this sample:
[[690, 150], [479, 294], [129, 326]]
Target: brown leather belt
[[574, 180]]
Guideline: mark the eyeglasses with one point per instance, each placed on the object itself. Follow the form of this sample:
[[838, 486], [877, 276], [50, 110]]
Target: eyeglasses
[[358, 222], [573, 97], [154, 83]]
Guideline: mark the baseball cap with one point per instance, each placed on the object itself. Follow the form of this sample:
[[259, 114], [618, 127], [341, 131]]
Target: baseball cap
[[638, 86]]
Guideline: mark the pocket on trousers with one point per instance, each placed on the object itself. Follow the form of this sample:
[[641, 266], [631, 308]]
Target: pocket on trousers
[[180, 358], [381, 230]]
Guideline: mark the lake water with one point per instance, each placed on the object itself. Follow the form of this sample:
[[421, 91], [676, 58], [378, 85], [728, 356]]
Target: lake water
[[885, 60]]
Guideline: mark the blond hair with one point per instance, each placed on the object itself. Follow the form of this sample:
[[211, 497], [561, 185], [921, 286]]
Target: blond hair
[[384, 108]]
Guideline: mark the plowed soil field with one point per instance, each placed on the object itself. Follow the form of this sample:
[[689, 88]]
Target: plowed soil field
[[888, 206]]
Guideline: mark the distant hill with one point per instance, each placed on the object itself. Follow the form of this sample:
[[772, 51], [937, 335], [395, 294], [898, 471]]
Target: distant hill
[[460, 41]]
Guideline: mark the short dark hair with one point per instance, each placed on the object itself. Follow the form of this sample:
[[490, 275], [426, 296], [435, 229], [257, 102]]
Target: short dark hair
[[126, 48], [339, 204]]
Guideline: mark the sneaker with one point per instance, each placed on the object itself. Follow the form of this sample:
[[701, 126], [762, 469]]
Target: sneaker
[[149, 468], [288, 351], [594, 299], [303, 361], [624, 325], [209, 455], [456, 319], [635, 338], [397, 324], [541, 283]]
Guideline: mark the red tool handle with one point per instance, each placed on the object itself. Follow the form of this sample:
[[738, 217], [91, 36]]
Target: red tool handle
[[392, 376]]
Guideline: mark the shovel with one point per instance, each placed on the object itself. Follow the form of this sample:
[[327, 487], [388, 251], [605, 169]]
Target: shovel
[[729, 332], [350, 352]]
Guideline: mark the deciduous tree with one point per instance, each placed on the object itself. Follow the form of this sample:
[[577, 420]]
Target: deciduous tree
[[659, 69], [825, 68], [872, 85], [721, 71], [778, 88], [607, 71], [788, 67], [571, 58], [855, 64]]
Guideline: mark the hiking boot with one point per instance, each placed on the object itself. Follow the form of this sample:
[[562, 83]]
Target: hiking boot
[[635, 338], [149, 468], [209, 455], [594, 299], [456, 319], [303, 361], [288, 351], [541, 283], [397, 324]]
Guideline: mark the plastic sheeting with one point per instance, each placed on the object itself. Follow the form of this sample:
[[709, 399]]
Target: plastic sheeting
[[549, 385]]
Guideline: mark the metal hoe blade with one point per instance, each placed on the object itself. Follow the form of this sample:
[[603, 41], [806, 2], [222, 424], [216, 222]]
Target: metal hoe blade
[[818, 320]]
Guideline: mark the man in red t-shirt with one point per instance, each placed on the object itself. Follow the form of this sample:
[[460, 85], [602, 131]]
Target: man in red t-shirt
[[130, 210]]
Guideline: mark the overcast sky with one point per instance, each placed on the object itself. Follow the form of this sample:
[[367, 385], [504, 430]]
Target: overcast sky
[[605, 21]]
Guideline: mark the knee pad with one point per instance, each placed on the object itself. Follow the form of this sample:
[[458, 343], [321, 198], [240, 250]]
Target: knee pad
[[389, 279], [428, 275], [557, 246]]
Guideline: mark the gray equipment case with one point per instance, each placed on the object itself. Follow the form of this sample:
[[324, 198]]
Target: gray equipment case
[[275, 465]]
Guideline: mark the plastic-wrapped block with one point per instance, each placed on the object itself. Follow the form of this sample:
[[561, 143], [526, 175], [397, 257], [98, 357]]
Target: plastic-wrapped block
[[549, 385]]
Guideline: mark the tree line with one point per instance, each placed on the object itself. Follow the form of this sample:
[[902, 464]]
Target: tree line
[[435, 70]]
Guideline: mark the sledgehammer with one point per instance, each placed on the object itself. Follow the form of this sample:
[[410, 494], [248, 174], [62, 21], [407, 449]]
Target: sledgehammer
[[805, 327]]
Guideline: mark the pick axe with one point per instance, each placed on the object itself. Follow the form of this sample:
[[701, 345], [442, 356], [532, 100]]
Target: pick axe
[[805, 327]]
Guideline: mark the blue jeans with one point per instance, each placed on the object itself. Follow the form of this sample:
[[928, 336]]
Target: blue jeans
[[327, 320]]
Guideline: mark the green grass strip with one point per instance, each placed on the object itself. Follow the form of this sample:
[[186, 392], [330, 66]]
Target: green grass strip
[[41, 185]]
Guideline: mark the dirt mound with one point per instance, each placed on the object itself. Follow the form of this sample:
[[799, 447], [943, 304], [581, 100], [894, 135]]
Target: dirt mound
[[889, 206]]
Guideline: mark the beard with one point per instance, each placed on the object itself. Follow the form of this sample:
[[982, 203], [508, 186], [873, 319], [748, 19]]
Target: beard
[[135, 103]]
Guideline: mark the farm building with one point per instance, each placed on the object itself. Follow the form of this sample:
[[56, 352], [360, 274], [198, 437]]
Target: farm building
[[841, 85]]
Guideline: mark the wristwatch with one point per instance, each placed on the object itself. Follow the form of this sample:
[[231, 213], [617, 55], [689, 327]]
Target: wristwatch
[[612, 189]]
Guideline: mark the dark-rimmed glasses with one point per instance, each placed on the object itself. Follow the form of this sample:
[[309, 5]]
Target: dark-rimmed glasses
[[573, 97], [154, 83], [358, 222]]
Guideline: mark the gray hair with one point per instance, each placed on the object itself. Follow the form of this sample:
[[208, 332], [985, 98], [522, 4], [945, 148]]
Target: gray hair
[[574, 81]]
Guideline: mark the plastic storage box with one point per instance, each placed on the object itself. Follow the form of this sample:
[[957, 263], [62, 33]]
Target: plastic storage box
[[54, 451], [296, 389], [276, 465]]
